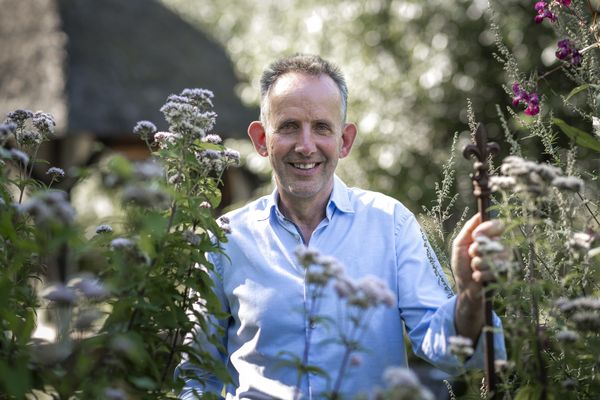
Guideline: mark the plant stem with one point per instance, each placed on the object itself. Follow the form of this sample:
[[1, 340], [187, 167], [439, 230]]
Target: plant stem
[[588, 208]]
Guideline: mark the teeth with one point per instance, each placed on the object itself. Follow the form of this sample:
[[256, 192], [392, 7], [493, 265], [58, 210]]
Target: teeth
[[305, 166]]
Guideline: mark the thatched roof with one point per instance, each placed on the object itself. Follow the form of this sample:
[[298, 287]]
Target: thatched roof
[[118, 60]]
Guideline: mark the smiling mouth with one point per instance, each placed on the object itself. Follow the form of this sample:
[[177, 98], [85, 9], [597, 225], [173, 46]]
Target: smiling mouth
[[304, 166]]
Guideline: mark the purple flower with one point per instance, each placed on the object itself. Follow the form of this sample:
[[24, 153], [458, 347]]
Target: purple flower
[[531, 100], [543, 12], [533, 107], [565, 3], [566, 51]]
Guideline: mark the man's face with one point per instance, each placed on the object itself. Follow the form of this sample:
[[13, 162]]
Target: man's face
[[305, 135]]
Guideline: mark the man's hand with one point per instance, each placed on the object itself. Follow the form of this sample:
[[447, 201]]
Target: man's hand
[[471, 271]]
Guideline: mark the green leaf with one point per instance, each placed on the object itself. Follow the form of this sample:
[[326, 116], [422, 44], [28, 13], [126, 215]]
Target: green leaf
[[143, 382], [580, 137], [528, 393], [580, 89]]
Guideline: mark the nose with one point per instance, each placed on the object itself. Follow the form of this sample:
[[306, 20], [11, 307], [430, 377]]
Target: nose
[[305, 143]]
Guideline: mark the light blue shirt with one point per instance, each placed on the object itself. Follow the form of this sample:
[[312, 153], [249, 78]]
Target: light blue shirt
[[262, 286]]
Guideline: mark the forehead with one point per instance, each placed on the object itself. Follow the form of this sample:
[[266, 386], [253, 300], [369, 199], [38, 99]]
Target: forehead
[[300, 89]]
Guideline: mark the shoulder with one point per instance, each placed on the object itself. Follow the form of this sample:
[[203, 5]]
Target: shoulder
[[376, 203]]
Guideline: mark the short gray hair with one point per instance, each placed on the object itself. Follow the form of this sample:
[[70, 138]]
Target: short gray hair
[[304, 63]]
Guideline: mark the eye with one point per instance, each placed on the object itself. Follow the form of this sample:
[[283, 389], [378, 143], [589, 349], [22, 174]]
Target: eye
[[287, 127], [322, 127]]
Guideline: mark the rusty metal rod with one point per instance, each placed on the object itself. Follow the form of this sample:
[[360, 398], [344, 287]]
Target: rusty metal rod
[[482, 151]]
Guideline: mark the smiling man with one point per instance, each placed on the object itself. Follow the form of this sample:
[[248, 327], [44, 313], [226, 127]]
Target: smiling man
[[303, 131]]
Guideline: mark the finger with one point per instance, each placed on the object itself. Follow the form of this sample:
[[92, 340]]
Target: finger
[[483, 276], [479, 264], [465, 236], [491, 228], [473, 250]]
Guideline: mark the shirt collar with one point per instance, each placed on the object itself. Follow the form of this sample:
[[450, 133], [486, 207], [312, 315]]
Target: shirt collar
[[340, 200]]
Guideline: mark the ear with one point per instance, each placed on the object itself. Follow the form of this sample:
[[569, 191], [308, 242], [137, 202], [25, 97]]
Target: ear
[[257, 134], [348, 136]]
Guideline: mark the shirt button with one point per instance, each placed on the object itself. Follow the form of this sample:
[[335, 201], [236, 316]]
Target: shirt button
[[312, 324]]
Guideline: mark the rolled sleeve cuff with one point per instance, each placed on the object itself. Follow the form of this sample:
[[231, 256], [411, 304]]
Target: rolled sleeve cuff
[[436, 344]]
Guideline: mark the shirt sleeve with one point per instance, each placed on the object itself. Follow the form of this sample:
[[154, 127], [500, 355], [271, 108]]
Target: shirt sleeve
[[197, 381], [427, 303]]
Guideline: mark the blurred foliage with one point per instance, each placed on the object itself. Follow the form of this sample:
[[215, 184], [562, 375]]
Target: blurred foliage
[[410, 66]]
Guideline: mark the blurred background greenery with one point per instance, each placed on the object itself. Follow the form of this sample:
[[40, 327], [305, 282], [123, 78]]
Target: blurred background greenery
[[410, 65]]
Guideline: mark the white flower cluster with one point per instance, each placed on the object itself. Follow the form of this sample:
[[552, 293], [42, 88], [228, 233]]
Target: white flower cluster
[[223, 223], [369, 291], [215, 161], [189, 113], [166, 140], [145, 195], [144, 129], [101, 229], [49, 206], [6, 130], [581, 244], [86, 287], [27, 133], [523, 176], [583, 312], [461, 347], [55, 173], [403, 384]]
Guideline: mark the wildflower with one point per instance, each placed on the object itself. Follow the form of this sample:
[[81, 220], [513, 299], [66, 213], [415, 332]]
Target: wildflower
[[530, 99], [211, 161], [488, 246], [100, 229], [567, 336], [29, 138], [192, 238], [566, 51], [44, 123], [19, 156], [586, 320], [306, 256], [55, 173], [144, 129], [399, 376], [18, 117], [90, 287], [569, 183], [145, 195], [502, 183], [121, 244], [114, 394], [213, 139], [205, 204], [460, 346], [529, 176], [6, 129], [581, 242], [232, 157], [371, 292], [543, 12], [148, 170], [59, 293], [355, 360], [565, 3], [344, 287], [86, 318], [187, 113], [49, 206], [166, 139], [176, 178], [223, 223]]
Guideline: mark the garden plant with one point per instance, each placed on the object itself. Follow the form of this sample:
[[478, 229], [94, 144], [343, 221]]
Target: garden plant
[[122, 304]]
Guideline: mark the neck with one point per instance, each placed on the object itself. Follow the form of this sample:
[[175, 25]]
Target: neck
[[305, 213]]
